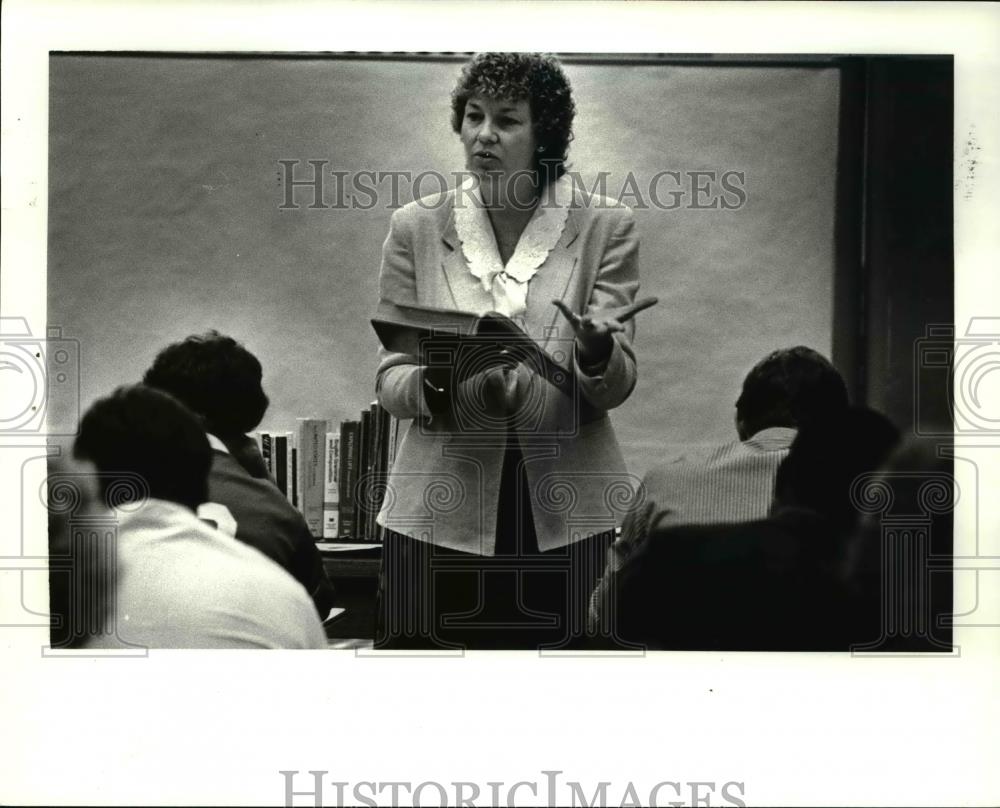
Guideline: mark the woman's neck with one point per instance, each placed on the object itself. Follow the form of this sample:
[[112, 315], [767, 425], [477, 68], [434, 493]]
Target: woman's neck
[[510, 203], [508, 225]]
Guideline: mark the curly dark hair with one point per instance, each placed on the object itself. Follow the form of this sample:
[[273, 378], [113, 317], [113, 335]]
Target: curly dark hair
[[217, 378], [789, 387], [534, 77]]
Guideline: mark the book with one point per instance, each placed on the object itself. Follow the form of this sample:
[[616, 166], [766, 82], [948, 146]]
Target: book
[[361, 486], [380, 466], [290, 467], [280, 452], [266, 451], [403, 328], [331, 486], [348, 477], [312, 441], [433, 334]]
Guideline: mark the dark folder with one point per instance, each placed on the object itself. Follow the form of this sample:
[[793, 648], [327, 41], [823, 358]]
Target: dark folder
[[428, 333]]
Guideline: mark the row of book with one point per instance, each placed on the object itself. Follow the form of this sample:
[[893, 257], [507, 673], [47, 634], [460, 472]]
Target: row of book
[[335, 477]]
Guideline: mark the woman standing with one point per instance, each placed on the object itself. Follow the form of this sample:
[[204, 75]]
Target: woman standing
[[505, 490]]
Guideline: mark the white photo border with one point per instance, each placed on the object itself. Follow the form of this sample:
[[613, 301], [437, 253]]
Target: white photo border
[[216, 728]]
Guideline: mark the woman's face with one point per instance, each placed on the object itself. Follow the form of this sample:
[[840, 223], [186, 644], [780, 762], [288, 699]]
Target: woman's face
[[498, 136]]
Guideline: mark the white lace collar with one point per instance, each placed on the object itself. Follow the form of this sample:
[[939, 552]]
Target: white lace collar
[[509, 284]]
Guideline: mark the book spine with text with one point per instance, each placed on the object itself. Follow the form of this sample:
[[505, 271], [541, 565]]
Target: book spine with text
[[348, 477], [311, 439], [331, 487], [290, 469]]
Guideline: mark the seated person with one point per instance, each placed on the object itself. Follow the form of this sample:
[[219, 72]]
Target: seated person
[[769, 584], [179, 583], [220, 381], [734, 482]]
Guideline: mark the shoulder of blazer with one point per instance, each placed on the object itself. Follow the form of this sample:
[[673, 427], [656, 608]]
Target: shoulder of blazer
[[593, 210], [432, 212]]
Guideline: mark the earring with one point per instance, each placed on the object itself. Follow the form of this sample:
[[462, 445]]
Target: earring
[[540, 149]]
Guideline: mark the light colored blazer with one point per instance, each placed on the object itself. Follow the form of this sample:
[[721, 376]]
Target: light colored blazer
[[444, 486]]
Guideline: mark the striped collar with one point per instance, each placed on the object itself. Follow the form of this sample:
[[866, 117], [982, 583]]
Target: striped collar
[[772, 438]]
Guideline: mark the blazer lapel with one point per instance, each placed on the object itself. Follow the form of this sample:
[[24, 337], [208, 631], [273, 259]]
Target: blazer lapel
[[552, 282], [467, 293]]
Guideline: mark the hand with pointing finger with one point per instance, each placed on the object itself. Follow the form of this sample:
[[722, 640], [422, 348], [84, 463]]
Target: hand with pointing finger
[[594, 333]]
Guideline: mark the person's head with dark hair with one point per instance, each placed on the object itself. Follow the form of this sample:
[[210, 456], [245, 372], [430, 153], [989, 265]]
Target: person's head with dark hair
[[788, 388], [535, 79], [215, 377], [827, 457], [140, 432]]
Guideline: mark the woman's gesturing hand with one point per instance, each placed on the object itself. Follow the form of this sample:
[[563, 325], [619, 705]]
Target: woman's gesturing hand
[[594, 333]]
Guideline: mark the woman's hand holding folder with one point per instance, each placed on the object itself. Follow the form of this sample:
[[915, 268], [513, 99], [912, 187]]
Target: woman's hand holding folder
[[476, 378]]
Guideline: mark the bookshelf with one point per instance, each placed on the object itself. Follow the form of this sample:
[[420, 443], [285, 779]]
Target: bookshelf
[[335, 476]]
